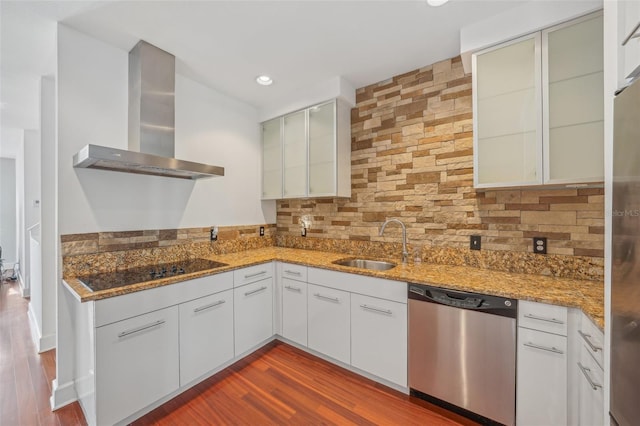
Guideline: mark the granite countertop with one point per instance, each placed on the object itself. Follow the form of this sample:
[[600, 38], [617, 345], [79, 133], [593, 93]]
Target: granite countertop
[[586, 295]]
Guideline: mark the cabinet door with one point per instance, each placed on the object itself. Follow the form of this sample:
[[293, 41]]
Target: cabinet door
[[590, 391], [541, 396], [272, 159], [379, 337], [322, 149], [294, 311], [206, 335], [573, 83], [253, 314], [136, 363], [507, 120], [329, 324], [295, 155], [628, 21]]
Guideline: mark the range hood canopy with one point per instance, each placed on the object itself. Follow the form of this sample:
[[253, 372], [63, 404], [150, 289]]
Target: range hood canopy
[[151, 123]]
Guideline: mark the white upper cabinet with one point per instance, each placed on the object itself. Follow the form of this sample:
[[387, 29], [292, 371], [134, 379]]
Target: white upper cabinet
[[629, 40], [573, 84], [538, 108], [507, 125], [272, 159], [295, 155], [314, 146]]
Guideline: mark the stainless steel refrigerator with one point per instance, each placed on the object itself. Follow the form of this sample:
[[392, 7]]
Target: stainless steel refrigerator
[[625, 299]]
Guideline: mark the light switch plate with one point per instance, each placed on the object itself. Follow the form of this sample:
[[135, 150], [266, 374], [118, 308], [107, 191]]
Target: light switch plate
[[475, 242]]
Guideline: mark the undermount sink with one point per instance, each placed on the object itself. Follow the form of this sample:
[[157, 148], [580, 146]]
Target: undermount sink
[[376, 265]]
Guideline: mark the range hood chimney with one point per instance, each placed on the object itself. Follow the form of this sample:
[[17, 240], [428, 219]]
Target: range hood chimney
[[151, 123]]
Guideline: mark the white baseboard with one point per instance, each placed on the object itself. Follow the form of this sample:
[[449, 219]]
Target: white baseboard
[[24, 290], [62, 395], [42, 343]]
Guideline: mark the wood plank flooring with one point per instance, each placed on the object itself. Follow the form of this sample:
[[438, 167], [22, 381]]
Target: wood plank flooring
[[26, 376], [277, 385], [282, 385]]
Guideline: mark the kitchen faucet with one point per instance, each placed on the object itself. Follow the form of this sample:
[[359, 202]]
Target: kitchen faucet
[[405, 253]]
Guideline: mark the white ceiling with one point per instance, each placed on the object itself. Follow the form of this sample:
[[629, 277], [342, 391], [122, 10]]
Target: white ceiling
[[226, 44]]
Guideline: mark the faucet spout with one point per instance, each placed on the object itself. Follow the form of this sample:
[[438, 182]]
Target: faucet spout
[[405, 253]]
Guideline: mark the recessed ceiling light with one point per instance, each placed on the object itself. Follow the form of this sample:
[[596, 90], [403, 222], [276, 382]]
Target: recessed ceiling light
[[264, 80], [436, 3]]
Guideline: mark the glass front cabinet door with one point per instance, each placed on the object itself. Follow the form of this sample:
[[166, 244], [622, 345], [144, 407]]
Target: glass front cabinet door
[[272, 159]]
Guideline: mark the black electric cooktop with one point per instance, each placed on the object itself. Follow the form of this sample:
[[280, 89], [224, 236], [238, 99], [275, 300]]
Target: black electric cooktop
[[109, 280]]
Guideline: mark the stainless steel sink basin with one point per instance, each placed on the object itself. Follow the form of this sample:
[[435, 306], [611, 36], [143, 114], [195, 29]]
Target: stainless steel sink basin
[[376, 265]]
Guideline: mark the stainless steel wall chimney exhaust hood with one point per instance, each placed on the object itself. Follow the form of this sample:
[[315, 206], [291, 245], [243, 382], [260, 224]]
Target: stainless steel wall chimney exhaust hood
[[151, 123]]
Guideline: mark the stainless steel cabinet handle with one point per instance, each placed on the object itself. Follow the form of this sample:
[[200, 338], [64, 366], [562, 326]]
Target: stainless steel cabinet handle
[[296, 273], [320, 296], [544, 348], [255, 275], [141, 328], [288, 287], [535, 317], [632, 34], [210, 305], [586, 372], [587, 338], [373, 308], [249, 293]]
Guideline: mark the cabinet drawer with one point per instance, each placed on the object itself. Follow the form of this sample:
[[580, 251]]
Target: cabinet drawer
[[206, 335], [592, 339], [355, 283], [252, 274], [294, 272], [379, 337], [542, 317], [329, 322], [541, 378], [137, 363]]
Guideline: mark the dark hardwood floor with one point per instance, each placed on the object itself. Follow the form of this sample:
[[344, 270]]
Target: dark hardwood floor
[[25, 376], [276, 385]]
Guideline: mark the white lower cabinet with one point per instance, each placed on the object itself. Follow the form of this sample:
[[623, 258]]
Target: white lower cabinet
[[590, 391], [294, 311], [206, 335], [136, 363], [253, 314], [541, 395], [329, 322], [379, 337]]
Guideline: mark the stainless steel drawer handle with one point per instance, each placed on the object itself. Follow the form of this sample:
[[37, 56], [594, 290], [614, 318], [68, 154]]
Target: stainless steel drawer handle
[[210, 305], [586, 372], [257, 274], [298, 289], [141, 328], [321, 296], [587, 338], [544, 348], [373, 308], [296, 273], [249, 293], [535, 317], [632, 34]]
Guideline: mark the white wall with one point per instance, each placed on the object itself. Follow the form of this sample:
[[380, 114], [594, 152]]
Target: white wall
[[31, 192], [92, 101], [210, 128], [8, 219]]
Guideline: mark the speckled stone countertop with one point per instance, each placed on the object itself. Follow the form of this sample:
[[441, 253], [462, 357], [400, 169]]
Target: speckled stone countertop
[[586, 295]]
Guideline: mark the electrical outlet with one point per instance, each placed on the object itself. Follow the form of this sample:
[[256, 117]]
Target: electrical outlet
[[540, 245], [475, 242], [262, 231], [214, 233]]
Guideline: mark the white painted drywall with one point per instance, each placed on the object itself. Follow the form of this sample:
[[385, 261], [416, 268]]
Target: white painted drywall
[[210, 128], [8, 210], [31, 212]]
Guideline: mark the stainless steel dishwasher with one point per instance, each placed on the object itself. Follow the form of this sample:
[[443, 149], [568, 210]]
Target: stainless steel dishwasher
[[462, 352]]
